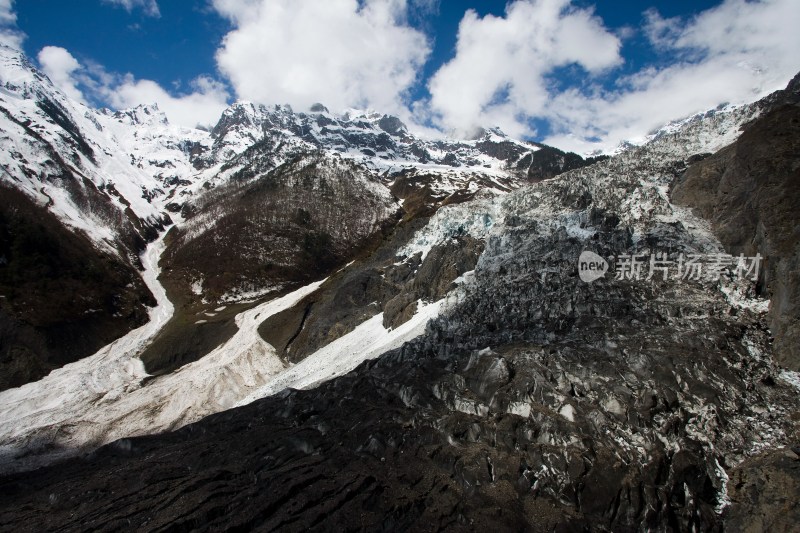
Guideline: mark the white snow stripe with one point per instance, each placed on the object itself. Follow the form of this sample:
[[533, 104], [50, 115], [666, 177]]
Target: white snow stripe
[[367, 341], [101, 398]]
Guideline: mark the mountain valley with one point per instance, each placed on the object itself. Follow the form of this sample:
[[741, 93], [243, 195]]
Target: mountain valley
[[305, 320]]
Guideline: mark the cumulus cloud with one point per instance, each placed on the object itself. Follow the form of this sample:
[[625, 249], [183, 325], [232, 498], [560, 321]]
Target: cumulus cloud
[[506, 71], [7, 15], [344, 53], [9, 33], [499, 73], [150, 7], [733, 53], [425, 7], [202, 105], [60, 66]]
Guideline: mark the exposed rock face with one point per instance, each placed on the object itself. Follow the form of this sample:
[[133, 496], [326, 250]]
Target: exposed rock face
[[290, 225], [392, 125], [549, 162], [248, 133], [763, 492], [750, 191], [423, 193], [381, 284], [433, 278], [353, 295]]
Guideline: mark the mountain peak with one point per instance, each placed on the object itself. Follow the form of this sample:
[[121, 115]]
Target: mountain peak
[[17, 73], [142, 114], [392, 125]]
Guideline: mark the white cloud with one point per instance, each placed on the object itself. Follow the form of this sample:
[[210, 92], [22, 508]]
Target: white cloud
[[150, 7], [503, 70], [733, 53], [9, 33], [203, 105], [498, 75], [342, 53], [60, 66], [7, 15], [659, 30], [425, 7]]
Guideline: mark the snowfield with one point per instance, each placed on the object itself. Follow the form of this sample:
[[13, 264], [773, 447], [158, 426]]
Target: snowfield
[[105, 397]]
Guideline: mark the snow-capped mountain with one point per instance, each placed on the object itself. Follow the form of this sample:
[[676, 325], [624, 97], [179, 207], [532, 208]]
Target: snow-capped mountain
[[120, 178], [89, 163], [379, 141], [362, 328], [146, 162]]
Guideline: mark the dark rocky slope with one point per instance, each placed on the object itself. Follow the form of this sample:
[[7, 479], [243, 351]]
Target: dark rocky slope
[[750, 191], [763, 492], [290, 225], [62, 298], [595, 411], [378, 284], [260, 235], [549, 162]]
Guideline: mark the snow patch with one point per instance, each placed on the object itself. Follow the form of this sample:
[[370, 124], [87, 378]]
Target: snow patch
[[197, 287], [737, 295], [568, 412], [367, 341], [520, 409], [791, 377]]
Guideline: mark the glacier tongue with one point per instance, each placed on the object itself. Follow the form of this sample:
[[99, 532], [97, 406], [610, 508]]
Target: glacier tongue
[[61, 410], [105, 397]]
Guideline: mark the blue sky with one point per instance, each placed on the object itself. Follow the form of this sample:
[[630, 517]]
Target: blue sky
[[581, 75], [179, 45], [175, 47]]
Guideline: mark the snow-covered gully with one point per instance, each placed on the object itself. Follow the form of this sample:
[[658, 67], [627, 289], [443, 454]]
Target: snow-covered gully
[[103, 397], [63, 408]]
